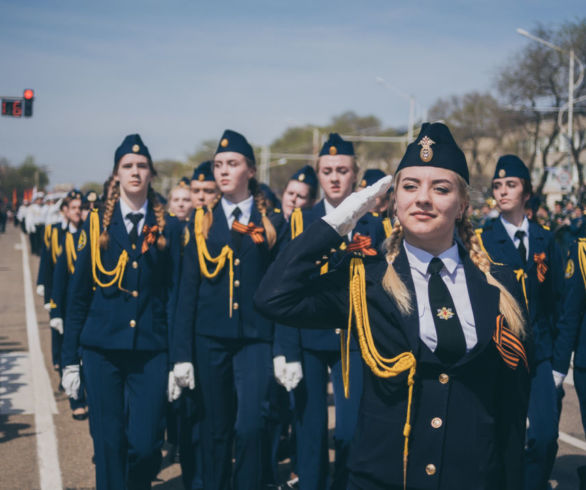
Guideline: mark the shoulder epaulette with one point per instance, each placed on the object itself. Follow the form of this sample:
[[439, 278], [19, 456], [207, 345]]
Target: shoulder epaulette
[[276, 210], [374, 214], [545, 227]]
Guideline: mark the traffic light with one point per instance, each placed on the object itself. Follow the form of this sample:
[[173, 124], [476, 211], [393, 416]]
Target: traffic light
[[29, 96]]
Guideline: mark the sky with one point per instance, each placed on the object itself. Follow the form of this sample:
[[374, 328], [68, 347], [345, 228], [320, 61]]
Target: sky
[[181, 71]]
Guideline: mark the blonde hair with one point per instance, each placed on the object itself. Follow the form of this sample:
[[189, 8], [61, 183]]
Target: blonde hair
[[260, 203], [112, 199], [398, 291]]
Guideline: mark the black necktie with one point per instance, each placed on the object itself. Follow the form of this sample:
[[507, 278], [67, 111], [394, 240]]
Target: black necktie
[[451, 344], [521, 248], [236, 237], [134, 218]]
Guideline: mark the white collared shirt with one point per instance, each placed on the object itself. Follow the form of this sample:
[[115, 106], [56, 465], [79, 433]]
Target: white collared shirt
[[245, 206], [511, 229], [125, 209], [455, 279]]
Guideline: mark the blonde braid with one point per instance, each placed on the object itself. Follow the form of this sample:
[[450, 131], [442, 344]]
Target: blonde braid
[[208, 217], [508, 306], [159, 211], [113, 196], [261, 205], [392, 283]]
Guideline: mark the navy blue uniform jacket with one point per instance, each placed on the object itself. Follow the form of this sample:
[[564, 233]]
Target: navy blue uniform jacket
[[203, 304], [544, 298], [481, 403], [289, 341], [61, 279], [109, 318]]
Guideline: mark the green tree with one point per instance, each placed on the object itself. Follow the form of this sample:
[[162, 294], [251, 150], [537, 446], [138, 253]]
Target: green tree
[[25, 176]]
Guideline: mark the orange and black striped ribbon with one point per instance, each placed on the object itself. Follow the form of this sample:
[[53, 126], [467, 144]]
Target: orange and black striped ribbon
[[150, 236], [361, 243], [510, 347], [255, 232], [541, 266]]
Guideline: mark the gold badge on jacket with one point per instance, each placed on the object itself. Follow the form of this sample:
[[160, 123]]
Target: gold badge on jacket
[[569, 269], [82, 241], [445, 313]]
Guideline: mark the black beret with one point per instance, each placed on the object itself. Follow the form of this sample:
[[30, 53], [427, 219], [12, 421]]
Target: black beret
[[306, 175], [371, 176], [133, 144], [511, 166], [435, 147], [335, 145], [203, 172], [233, 141]]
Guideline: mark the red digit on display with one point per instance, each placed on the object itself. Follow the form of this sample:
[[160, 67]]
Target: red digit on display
[[17, 108]]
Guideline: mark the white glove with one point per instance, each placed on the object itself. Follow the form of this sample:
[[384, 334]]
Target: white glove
[[41, 290], [184, 375], [343, 219], [558, 379], [280, 369], [47, 306], [173, 389], [71, 381], [57, 324], [294, 375]]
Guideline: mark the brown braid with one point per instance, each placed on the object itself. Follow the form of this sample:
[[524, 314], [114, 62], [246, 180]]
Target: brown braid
[[391, 282], [113, 196], [261, 205], [159, 211], [508, 306]]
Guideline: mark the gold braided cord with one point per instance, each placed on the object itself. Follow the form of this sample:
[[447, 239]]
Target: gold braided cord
[[296, 223], [387, 226], [478, 232], [47, 236], [70, 252], [582, 257], [118, 272], [521, 276], [382, 367], [203, 255], [56, 249]]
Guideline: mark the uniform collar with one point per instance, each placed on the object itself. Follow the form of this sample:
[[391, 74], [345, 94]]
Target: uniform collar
[[245, 206], [329, 208], [511, 229], [419, 259], [125, 208]]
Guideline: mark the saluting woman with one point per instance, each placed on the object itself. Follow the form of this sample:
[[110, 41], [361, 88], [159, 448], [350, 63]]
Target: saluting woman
[[229, 248], [440, 328], [122, 296]]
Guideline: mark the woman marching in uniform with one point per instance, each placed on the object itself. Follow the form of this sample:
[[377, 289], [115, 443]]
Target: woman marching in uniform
[[531, 251], [119, 312], [229, 248], [439, 327], [64, 268]]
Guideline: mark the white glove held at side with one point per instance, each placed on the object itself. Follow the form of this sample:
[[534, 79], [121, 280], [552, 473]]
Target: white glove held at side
[[558, 379], [57, 324], [41, 290], [343, 219], [184, 375], [71, 381], [294, 375], [173, 389], [280, 370]]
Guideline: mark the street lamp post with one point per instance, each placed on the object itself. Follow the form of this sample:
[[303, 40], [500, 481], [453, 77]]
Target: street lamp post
[[411, 100], [572, 86]]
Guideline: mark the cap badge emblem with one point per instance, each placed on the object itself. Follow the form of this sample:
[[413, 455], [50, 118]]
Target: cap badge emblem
[[224, 143], [363, 183], [301, 177], [502, 173], [426, 153], [200, 177], [333, 150], [135, 148]]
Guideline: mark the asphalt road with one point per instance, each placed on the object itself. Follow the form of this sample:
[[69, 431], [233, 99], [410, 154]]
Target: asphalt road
[[41, 446]]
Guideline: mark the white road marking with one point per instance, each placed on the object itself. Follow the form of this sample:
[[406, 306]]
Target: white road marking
[[572, 441], [44, 402], [569, 379], [16, 394]]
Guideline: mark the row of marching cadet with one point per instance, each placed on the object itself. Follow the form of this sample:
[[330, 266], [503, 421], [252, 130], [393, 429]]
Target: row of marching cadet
[[222, 315]]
